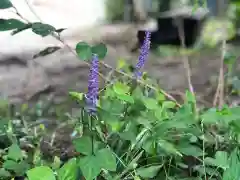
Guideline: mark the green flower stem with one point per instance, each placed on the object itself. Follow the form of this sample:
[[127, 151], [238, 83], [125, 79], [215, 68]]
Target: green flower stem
[[91, 118]]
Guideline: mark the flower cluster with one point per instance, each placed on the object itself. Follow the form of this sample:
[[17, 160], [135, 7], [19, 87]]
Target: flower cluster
[[143, 54], [93, 83]]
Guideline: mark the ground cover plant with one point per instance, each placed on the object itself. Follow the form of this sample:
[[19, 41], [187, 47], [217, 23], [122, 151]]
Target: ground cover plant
[[131, 129]]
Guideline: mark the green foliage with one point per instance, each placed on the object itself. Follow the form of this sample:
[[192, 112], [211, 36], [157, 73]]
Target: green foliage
[[42, 29], [5, 4], [47, 51], [69, 171], [149, 172], [218, 30], [10, 24], [114, 10], [100, 50], [138, 133], [40, 173], [85, 51]]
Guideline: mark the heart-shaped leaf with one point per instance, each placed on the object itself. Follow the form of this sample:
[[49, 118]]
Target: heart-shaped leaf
[[69, 171], [89, 166], [83, 145], [100, 50], [106, 159], [84, 51], [41, 173]]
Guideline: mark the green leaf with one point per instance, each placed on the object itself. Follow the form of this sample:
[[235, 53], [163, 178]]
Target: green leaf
[[168, 147], [121, 88], [161, 97], [149, 172], [89, 166], [42, 29], [76, 95], [14, 152], [21, 168], [207, 170], [20, 29], [126, 98], [83, 145], [233, 171], [220, 160], [100, 50], [168, 104], [10, 24], [84, 51], [47, 51], [128, 135], [106, 159], [190, 97], [4, 174], [112, 121], [190, 150], [5, 4], [10, 165], [69, 171], [18, 168], [41, 173], [56, 162], [137, 178], [211, 116], [121, 63], [150, 103]]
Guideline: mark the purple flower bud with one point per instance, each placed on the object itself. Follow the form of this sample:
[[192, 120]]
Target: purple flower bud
[[143, 54], [92, 94]]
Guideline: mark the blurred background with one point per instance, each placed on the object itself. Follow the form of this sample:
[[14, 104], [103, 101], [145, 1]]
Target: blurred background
[[117, 24]]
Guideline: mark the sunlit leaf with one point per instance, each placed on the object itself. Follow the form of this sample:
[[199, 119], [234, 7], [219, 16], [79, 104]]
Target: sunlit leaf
[[41, 173], [69, 171]]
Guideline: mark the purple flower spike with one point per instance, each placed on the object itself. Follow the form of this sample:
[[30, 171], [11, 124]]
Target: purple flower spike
[[143, 54], [92, 94]]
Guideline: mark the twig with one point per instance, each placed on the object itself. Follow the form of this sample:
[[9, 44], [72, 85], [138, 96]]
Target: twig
[[185, 57], [219, 95]]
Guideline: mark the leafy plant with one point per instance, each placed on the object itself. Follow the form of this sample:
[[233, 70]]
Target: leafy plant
[[128, 130]]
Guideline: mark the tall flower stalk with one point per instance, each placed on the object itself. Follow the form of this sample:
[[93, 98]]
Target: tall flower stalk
[[143, 54], [93, 83], [92, 95]]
